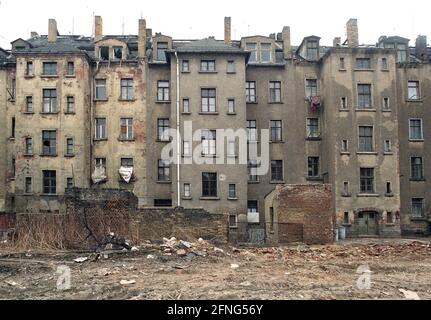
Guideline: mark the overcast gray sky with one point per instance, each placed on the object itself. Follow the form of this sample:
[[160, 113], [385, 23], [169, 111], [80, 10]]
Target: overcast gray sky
[[199, 19]]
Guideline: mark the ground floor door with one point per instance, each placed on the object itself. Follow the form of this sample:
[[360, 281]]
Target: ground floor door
[[368, 225]]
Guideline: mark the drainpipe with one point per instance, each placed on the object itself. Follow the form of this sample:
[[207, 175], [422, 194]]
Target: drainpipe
[[178, 133]]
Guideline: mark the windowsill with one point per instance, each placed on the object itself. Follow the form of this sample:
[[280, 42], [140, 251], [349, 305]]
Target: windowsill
[[49, 195], [208, 113], [210, 156], [163, 101], [29, 76], [100, 140], [70, 76], [209, 198], [49, 76], [389, 195], [187, 156], [12, 100], [28, 194], [418, 219], [163, 141], [209, 72], [276, 142], [49, 113], [253, 142], [254, 182], [70, 113], [387, 110], [233, 227], [313, 139], [164, 182], [230, 72], [28, 155], [251, 102], [390, 224], [29, 113], [342, 69], [366, 110], [384, 70], [276, 102], [126, 140], [185, 72], [368, 195], [11, 139], [186, 113], [363, 70], [126, 100], [12, 179], [232, 199], [414, 100], [49, 155], [345, 153], [419, 140], [187, 198], [417, 180], [344, 110], [366, 153], [69, 155], [101, 100], [319, 179], [346, 195], [388, 153], [277, 182], [231, 113], [231, 156], [348, 225]]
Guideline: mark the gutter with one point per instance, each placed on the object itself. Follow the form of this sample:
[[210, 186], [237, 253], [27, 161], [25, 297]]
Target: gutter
[[178, 132]]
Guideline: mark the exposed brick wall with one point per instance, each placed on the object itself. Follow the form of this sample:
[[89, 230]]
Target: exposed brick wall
[[309, 205], [7, 221]]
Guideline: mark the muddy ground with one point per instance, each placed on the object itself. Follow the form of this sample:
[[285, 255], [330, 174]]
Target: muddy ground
[[202, 272]]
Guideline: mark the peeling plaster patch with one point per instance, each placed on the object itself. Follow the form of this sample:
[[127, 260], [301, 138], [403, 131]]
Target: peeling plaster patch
[[390, 125], [345, 159]]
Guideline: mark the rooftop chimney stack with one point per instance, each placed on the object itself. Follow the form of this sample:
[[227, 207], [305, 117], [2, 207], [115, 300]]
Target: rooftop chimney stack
[[286, 42], [352, 33], [421, 48], [227, 30], [98, 28], [142, 36], [337, 42], [34, 34], [52, 30]]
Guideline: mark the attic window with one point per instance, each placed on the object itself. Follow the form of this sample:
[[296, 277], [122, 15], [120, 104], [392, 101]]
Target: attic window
[[118, 53], [401, 53], [19, 48], [312, 50], [161, 48], [104, 53], [265, 52]]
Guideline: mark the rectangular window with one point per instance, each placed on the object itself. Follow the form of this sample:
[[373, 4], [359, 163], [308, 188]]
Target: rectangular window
[[29, 104], [417, 172], [13, 167], [252, 48], [252, 171], [311, 88], [366, 139], [70, 107], [187, 149], [346, 218], [208, 98], [161, 49], [231, 149], [117, 53], [126, 89], [386, 105], [232, 191], [49, 100], [28, 185], [69, 183], [312, 50], [187, 190], [209, 185], [100, 128], [416, 130], [389, 217], [29, 70], [388, 146], [49, 142], [231, 106], [69, 147], [49, 68], [28, 146], [101, 89], [49, 183], [250, 91], [163, 91], [346, 187], [384, 64], [388, 188], [364, 96], [277, 170], [313, 167], [413, 90], [126, 129], [418, 208], [209, 142], [104, 53], [208, 66], [163, 126], [231, 67], [343, 103], [276, 131], [363, 63], [265, 53], [100, 163], [275, 91], [401, 53], [251, 131], [164, 171], [253, 211], [233, 221], [313, 128], [367, 180], [13, 128], [13, 93], [342, 64], [185, 67], [345, 146], [186, 106], [127, 162], [70, 68]]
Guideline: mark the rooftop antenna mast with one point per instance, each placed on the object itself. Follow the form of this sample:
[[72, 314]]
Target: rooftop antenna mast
[[122, 27]]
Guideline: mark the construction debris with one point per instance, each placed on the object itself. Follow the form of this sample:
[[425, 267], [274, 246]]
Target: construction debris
[[81, 260], [127, 282], [410, 295]]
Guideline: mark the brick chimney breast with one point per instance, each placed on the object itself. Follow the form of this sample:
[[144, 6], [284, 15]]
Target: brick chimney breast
[[352, 33], [52, 30], [227, 30]]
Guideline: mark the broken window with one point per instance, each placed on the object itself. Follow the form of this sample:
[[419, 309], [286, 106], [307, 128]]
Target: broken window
[[186, 105], [29, 104], [127, 162], [367, 180], [13, 128], [99, 174], [310, 88], [416, 130], [69, 147], [28, 185], [232, 191], [126, 125], [185, 67], [346, 188], [49, 142], [312, 50], [346, 218], [251, 131], [70, 105], [252, 168], [104, 53], [13, 167], [388, 146], [253, 211], [313, 128], [28, 146], [162, 203], [389, 217], [12, 92], [231, 106], [277, 170], [29, 70], [265, 52], [100, 127], [345, 146], [366, 139], [70, 68], [275, 91], [100, 163], [126, 89], [233, 221], [163, 126], [161, 49], [313, 167], [417, 172], [49, 184], [252, 47], [208, 98], [117, 53], [364, 96], [209, 185], [388, 188], [69, 183], [208, 66], [209, 144], [187, 190], [49, 100], [49, 68], [250, 91], [343, 103], [418, 207], [386, 105], [164, 171], [101, 89], [163, 91], [384, 64], [276, 131], [363, 63], [401, 53], [413, 90], [342, 64]]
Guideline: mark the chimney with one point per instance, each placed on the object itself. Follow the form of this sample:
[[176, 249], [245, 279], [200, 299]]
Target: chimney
[[34, 34], [98, 28], [286, 42], [142, 35], [227, 30], [352, 33], [52, 30], [337, 42], [421, 48]]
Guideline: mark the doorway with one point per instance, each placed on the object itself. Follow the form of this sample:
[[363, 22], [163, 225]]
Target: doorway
[[368, 225]]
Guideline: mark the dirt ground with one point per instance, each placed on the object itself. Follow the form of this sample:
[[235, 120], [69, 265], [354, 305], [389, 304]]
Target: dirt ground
[[203, 272]]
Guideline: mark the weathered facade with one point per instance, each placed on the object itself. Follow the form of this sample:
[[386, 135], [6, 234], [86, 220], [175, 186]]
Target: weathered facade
[[93, 112]]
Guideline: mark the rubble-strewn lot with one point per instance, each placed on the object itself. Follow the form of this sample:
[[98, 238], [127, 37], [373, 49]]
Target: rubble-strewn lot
[[180, 270]]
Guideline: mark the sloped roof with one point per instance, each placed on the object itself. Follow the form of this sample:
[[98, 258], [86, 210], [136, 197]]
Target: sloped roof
[[208, 45]]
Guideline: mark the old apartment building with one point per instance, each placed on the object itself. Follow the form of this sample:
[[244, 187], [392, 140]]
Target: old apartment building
[[93, 112]]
